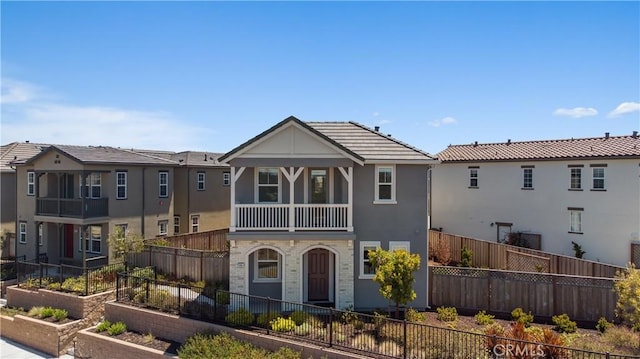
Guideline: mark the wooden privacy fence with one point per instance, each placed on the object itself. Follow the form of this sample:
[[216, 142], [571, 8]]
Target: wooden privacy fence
[[196, 265], [215, 240], [545, 295], [494, 255]]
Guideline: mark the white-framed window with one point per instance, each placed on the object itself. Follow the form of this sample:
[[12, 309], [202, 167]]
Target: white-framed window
[[366, 267], [40, 234], [575, 224], [598, 177], [93, 187], [385, 184], [22, 236], [121, 185], [195, 224], [31, 183], [176, 224], [163, 228], [527, 177], [201, 178], [163, 183], [395, 245], [576, 178], [226, 178], [266, 265], [268, 185], [473, 177], [93, 240]]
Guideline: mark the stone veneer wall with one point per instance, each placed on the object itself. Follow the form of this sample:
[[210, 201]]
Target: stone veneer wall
[[50, 338], [292, 269], [98, 346]]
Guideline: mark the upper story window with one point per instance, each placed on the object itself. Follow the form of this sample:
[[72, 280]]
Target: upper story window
[[473, 177], [22, 236], [576, 178], [93, 186], [226, 178], [575, 224], [201, 177], [385, 184], [195, 223], [267, 265], [527, 177], [121, 185], [31, 183], [598, 177], [366, 267], [163, 183], [268, 185]]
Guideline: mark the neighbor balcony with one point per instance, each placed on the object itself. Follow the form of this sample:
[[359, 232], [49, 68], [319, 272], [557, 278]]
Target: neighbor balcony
[[73, 208]]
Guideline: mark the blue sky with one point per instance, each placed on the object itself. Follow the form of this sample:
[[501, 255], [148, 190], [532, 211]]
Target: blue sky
[[210, 75]]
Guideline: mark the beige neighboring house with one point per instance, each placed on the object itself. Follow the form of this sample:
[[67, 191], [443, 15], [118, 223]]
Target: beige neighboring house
[[69, 198], [15, 151], [582, 190]]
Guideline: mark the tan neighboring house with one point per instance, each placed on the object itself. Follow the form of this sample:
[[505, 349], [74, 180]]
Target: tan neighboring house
[[582, 190], [69, 198]]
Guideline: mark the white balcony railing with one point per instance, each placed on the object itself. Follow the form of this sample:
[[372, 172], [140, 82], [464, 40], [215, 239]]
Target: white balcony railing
[[307, 217]]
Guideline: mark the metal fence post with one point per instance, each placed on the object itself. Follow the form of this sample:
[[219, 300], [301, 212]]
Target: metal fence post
[[40, 282], [268, 313], [146, 282], [117, 287], [215, 304], [330, 327], [179, 304], [86, 282]]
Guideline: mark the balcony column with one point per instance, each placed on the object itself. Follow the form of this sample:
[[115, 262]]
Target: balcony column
[[348, 176], [58, 191], [36, 242], [83, 193], [292, 174], [234, 177]]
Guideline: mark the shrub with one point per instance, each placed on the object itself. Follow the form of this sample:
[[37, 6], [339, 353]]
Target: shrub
[[149, 338], [117, 329], [281, 324], [60, 314], [265, 319], [447, 314], [303, 329], [239, 318], [349, 315], [158, 298], [577, 249], [441, 252], [47, 312], [603, 324], [225, 346], [520, 316], [364, 342], [466, 257], [413, 315], [299, 317], [554, 344], [564, 324], [35, 312], [74, 284], [622, 338], [627, 287], [103, 326], [482, 318]]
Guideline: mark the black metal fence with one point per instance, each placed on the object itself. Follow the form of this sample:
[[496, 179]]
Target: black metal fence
[[8, 267], [371, 335]]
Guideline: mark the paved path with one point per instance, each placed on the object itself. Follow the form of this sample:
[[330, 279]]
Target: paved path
[[12, 350]]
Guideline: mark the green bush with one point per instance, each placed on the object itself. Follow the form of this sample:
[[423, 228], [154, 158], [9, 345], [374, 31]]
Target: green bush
[[225, 346], [117, 329], [564, 324], [239, 318], [627, 287], [520, 316], [74, 284], [281, 324], [265, 319], [303, 329], [447, 314], [46, 312], [482, 318], [466, 257], [299, 317], [158, 298], [35, 312], [60, 314], [103, 326], [413, 315], [603, 324]]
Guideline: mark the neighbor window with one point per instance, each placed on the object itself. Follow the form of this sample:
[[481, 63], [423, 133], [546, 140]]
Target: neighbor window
[[226, 178], [31, 183], [473, 177], [163, 182], [366, 267], [598, 177], [162, 228], [93, 240], [576, 178], [385, 184], [268, 185], [121, 185], [395, 245], [93, 186], [176, 224], [527, 177], [201, 181], [267, 265], [124, 227], [195, 223], [575, 220], [23, 232]]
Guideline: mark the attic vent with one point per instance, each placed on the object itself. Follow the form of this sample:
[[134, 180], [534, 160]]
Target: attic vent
[[508, 141], [635, 134], [475, 144], [606, 135], [205, 156], [377, 128]]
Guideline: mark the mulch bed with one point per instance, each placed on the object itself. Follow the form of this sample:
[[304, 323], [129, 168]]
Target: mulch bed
[[160, 344]]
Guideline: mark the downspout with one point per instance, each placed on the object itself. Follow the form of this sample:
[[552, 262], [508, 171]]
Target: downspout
[[188, 219], [15, 224], [428, 228], [143, 205]]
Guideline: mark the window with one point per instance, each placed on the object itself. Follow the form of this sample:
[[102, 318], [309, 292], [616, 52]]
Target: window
[[163, 182], [93, 240], [385, 184], [598, 177], [176, 224], [576, 178], [366, 268], [200, 181], [268, 185], [576, 220], [93, 187], [23, 232], [40, 234], [527, 177], [473, 177], [162, 228], [267, 265], [226, 178], [195, 222], [31, 183], [395, 245], [121, 185]]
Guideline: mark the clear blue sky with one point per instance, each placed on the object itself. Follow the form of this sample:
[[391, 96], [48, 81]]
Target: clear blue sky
[[210, 75]]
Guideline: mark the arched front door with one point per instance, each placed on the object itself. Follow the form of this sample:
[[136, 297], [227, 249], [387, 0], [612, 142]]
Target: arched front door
[[318, 275]]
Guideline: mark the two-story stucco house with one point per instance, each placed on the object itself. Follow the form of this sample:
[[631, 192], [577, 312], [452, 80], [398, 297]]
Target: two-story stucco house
[[69, 198], [583, 190], [309, 199]]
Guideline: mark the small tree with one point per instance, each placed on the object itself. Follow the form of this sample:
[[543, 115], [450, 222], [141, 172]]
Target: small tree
[[627, 287], [124, 243], [394, 273]]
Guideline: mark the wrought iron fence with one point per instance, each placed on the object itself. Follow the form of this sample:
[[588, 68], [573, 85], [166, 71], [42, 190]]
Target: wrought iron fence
[[371, 335]]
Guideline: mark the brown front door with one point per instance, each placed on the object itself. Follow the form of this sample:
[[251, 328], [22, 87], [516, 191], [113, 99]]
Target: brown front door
[[68, 240], [318, 261]]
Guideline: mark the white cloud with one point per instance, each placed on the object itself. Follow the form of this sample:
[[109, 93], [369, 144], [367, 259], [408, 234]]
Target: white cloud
[[443, 122], [17, 91], [384, 122], [375, 114], [576, 112], [625, 108]]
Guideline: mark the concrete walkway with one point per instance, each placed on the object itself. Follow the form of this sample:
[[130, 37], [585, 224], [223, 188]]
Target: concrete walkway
[[12, 350]]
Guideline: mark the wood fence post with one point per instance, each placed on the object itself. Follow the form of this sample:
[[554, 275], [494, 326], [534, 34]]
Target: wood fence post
[[175, 262], [554, 288], [489, 289], [202, 265]]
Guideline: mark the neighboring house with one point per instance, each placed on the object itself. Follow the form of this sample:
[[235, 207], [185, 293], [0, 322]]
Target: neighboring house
[[309, 199], [15, 151], [71, 197], [583, 190]]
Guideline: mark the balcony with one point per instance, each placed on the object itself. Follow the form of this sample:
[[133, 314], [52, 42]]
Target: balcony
[[73, 208], [292, 217]]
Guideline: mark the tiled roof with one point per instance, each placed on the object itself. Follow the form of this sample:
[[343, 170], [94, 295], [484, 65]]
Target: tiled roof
[[18, 151], [368, 143], [578, 148], [200, 159], [106, 155]]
